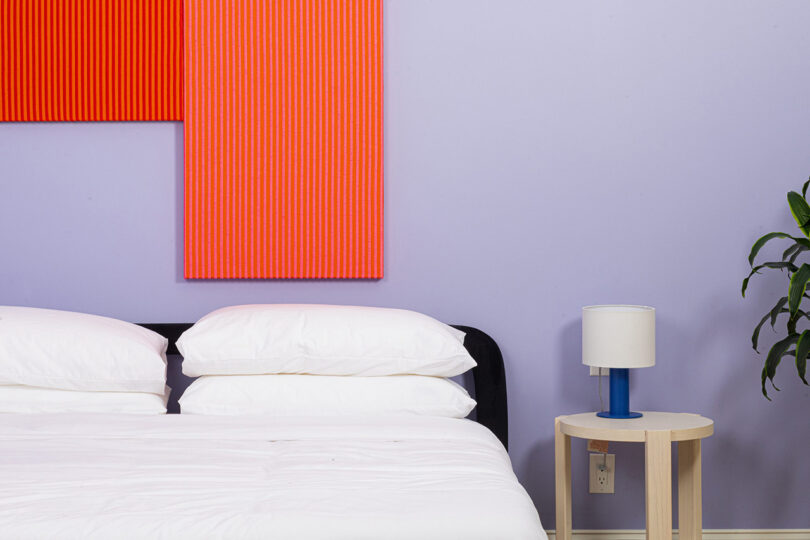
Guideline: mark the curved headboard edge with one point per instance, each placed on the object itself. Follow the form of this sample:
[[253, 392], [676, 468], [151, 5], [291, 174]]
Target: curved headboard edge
[[489, 379]]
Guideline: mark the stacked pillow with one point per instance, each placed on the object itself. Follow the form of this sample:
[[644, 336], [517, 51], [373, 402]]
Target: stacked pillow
[[59, 361], [323, 360]]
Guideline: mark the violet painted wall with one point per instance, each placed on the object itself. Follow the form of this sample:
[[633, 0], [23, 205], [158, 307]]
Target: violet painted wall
[[540, 156]]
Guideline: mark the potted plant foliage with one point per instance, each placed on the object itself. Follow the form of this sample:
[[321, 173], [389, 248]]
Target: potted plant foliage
[[795, 344]]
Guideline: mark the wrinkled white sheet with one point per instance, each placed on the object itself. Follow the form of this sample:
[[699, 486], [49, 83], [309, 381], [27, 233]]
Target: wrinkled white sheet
[[200, 477]]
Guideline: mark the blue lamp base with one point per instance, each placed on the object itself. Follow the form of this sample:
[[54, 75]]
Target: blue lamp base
[[608, 414], [619, 396]]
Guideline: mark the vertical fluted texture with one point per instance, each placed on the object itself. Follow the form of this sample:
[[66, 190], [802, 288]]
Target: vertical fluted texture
[[84, 60], [283, 139]]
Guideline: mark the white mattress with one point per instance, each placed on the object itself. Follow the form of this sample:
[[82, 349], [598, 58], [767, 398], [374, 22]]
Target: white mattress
[[201, 477]]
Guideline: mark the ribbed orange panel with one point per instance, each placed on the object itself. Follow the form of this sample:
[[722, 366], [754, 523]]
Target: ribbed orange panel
[[80, 60], [283, 139]]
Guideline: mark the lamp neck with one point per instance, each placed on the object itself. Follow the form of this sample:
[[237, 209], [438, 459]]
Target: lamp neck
[[619, 391]]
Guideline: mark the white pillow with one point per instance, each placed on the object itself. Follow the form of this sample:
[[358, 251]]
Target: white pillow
[[323, 395], [322, 340], [29, 399], [75, 351]]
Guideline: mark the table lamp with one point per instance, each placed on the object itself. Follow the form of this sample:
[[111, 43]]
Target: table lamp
[[618, 337]]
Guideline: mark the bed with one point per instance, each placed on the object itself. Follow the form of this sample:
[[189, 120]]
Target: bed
[[186, 476]]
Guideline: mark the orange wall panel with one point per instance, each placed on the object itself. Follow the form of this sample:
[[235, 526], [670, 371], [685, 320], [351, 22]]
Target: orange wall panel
[[283, 139], [80, 60]]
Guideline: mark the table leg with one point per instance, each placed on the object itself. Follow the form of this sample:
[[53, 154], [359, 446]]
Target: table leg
[[658, 469], [562, 479], [690, 510]]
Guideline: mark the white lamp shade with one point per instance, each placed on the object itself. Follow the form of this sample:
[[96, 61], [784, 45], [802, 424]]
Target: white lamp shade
[[617, 336]]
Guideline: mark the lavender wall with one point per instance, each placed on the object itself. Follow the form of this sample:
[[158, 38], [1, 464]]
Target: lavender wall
[[539, 157]]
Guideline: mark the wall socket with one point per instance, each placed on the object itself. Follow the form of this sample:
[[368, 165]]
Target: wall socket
[[601, 473], [595, 371]]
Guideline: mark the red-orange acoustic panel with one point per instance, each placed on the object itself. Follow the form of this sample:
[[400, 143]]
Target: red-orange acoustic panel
[[283, 139], [80, 60]]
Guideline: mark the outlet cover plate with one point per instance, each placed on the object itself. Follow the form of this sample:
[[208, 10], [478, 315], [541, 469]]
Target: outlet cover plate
[[595, 371], [601, 481]]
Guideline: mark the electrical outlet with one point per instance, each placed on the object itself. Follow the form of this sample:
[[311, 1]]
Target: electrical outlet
[[601, 473], [595, 371]]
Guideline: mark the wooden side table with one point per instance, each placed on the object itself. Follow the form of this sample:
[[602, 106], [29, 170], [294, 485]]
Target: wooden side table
[[657, 431]]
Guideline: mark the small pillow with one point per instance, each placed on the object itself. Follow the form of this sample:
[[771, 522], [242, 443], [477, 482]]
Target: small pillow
[[75, 351], [319, 395], [29, 399], [322, 340]]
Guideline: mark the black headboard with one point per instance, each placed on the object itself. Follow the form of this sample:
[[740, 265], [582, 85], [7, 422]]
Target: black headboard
[[489, 379]]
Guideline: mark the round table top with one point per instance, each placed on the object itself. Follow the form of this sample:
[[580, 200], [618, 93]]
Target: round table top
[[682, 426]]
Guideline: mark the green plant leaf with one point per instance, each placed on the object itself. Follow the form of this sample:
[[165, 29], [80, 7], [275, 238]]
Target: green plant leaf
[[800, 313], [755, 335], [779, 349], [764, 377], [798, 284], [777, 309], [762, 241], [801, 245], [798, 252], [777, 265], [790, 251], [802, 350], [772, 314], [804, 188], [800, 210]]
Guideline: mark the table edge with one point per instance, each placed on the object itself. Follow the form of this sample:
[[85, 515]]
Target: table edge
[[633, 435]]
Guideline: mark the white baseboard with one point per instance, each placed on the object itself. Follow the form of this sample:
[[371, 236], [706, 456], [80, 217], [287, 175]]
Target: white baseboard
[[708, 534]]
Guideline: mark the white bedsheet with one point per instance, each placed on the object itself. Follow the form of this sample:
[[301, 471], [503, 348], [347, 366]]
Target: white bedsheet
[[200, 477]]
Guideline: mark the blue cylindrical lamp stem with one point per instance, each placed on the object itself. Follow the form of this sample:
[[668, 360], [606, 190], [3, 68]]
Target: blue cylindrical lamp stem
[[619, 395]]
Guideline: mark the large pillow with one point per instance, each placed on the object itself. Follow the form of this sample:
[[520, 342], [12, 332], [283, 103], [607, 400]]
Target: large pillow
[[322, 395], [322, 340], [75, 351], [29, 399]]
